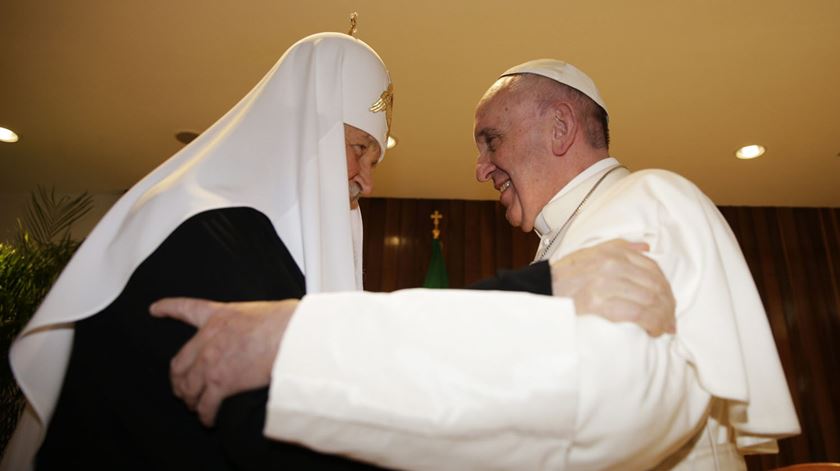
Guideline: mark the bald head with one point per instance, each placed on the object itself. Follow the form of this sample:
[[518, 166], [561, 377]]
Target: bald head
[[544, 92]]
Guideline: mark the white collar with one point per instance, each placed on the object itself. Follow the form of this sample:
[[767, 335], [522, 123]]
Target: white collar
[[561, 206]]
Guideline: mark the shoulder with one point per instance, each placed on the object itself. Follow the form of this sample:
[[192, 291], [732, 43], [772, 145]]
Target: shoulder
[[665, 179], [239, 214], [654, 198], [226, 229], [241, 221], [667, 188]]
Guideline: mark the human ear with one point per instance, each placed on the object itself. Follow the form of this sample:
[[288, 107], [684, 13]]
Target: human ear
[[563, 127]]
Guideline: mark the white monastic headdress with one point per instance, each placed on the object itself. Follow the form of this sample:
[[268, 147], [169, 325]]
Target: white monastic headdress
[[280, 150]]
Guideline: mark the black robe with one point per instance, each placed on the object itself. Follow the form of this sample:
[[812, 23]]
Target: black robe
[[116, 409]]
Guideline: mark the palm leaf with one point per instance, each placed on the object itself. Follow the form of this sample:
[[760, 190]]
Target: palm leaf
[[49, 217], [28, 269]]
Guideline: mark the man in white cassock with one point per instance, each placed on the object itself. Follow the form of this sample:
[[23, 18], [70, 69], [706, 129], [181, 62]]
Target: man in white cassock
[[459, 380], [256, 208]]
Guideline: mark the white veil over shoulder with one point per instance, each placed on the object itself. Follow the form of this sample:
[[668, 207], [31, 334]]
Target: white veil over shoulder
[[280, 150]]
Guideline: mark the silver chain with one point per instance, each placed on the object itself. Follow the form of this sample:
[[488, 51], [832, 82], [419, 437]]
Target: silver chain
[[542, 255]]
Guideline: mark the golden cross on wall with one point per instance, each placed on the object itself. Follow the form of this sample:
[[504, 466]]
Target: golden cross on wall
[[436, 217]]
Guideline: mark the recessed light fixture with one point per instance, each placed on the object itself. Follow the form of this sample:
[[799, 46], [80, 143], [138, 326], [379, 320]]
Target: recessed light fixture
[[392, 142], [185, 137], [7, 135], [750, 152]]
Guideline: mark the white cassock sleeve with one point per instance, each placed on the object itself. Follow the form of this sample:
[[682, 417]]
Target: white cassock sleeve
[[431, 379]]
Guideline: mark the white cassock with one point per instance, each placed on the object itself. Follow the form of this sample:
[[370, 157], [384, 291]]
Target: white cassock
[[421, 379]]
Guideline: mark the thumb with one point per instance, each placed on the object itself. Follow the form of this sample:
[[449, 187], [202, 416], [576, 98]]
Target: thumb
[[638, 246], [190, 310]]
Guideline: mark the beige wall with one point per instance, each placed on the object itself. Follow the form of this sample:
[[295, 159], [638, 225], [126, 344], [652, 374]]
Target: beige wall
[[13, 205]]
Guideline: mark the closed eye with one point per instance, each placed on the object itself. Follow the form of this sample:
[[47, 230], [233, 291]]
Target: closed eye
[[490, 138], [359, 149], [491, 141]]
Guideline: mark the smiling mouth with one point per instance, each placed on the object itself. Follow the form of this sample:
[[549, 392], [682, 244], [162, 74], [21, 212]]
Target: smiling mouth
[[504, 186]]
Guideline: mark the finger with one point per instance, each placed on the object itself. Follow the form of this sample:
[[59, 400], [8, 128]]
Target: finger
[[631, 245], [620, 244], [630, 266], [209, 404], [649, 287], [190, 310], [184, 359], [654, 313], [190, 384], [632, 289], [643, 269], [623, 310], [627, 300], [188, 357], [616, 248], [635, 251]]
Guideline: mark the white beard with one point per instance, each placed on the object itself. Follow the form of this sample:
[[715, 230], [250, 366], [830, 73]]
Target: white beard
[[357, 230], [355, 193]]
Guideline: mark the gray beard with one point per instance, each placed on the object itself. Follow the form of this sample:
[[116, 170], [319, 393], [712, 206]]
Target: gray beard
[[355, 193]]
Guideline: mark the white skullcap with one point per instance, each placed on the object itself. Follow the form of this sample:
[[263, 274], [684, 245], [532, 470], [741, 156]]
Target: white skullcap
[[561, 72]]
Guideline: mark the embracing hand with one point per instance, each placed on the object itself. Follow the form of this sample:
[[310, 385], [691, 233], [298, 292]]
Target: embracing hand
[[617, 281], [233, 350]]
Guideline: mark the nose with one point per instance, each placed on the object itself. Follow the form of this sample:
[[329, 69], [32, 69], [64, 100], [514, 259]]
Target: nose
[[352, 166], [365, 179], [361, 172], [483, 168]]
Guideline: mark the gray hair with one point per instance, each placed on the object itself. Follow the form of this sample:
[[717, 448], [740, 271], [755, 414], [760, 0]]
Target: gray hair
[[546, 91]]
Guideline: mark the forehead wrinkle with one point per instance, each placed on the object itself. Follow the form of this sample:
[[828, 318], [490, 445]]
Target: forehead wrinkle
[[356, 134]]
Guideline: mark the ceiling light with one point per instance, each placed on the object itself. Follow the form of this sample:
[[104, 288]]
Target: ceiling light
[[392, 142], [185, 137], [7, 135], [750, 152]]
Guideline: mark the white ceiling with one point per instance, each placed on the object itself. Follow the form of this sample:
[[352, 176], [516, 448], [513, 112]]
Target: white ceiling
[[98, 88]]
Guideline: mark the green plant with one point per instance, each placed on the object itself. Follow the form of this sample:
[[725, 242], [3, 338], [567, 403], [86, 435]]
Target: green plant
[[28, 267]]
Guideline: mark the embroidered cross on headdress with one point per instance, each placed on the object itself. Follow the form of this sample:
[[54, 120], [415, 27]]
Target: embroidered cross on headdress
[[385, 103]]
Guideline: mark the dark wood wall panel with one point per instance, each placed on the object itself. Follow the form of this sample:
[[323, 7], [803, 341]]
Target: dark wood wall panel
[[793, 253], [477, 241]]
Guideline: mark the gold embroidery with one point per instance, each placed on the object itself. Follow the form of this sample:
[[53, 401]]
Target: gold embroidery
[[385, 103]]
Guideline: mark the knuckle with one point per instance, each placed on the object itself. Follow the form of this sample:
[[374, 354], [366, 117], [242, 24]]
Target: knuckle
[[209, 355], [177, 390], [215, 376], [174, 364]]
